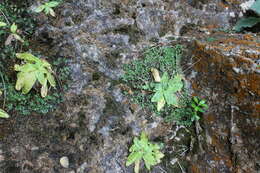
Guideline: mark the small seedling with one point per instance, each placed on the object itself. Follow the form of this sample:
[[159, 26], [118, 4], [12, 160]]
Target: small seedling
[[198, 105], [47, 8], [14, 35], [34, 69], [143, 149], [166, 89]]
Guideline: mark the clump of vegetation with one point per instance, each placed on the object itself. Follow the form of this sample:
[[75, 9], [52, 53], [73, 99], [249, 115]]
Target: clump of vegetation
[[13, 101], [198, 106], [248, 22], [146, 85], [142, 149], [47, 8], [33, 70], [139, 78], [25, 104]]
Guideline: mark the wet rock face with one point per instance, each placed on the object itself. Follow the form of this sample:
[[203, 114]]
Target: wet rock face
[[228, 73], [95, 126]]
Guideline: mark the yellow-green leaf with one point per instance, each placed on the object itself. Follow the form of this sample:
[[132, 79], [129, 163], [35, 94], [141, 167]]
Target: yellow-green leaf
[[39, 9], [51, 79], [27, 57], [160, 104], [2, 24], [20, 81], [13, 28], [52, 4], [3, 114], [29, 80]]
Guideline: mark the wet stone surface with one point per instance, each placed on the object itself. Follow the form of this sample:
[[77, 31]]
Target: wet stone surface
[[95, 126]]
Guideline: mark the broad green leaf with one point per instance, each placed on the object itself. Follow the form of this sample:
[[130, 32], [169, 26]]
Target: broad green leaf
[[193, 105], [256, 6], [133, 157], [29, 80], [13, 28], [157, 96], [27, 57], [246, 22], [3, 114], [24, 68], [149, 160], [41, 77], [176, 83], [39, 9], [160, 104], [20, 81], [205, 106], [200, 109], [52, 4], [165, 78], [47, 10], [171, 98], [158, 156], [202, 102], [195, 99], [2, 24]]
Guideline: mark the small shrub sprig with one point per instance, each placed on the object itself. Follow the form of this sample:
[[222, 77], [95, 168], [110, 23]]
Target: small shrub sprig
[[33, 70], [142, 149], [47, 8]]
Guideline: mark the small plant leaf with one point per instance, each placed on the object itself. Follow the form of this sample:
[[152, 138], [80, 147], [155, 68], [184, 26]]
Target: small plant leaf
[[2, 24], [133, 157], [47, 10], [246, 22], [157, 96], [149, 160], [39, 9], [176, 84], [13, 28], [29, 80], [51, 79], [41, 77], [20, 81], [17, 37], [27, 57], [160, 104], [52, 4], [3, 114], [196, 100], [171, 98]]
